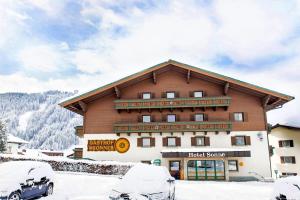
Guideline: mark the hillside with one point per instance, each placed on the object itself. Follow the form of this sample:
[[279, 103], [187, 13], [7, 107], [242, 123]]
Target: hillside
[[38, 119]]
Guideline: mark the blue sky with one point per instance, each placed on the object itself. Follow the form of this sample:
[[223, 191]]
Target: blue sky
[[80, 45]]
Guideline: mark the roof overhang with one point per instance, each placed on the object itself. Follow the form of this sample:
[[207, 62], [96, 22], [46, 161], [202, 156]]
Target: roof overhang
[[272, 99], [286, 126]]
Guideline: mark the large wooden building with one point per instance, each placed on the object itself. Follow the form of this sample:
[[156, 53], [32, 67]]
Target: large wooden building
[[199, 124]]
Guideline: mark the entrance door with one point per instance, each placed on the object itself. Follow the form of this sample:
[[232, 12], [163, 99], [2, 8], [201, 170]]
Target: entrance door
[[175, 168], [206, 170]]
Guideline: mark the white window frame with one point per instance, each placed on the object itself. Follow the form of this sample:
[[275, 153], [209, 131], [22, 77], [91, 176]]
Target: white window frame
[[144, 117], [236, 168], [146, 95], [198, 94], [146, 142], [171, 140], [236, 139], [202, 143], [286, 143], [199, 114], [170, 116], [238, 116], [170, 95]]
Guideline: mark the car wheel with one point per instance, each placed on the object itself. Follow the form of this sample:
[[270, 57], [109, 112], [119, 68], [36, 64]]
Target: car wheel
[[14, 196], [49, 190]]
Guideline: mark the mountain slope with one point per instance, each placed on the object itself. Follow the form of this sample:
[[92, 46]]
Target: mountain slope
[[38, 119]]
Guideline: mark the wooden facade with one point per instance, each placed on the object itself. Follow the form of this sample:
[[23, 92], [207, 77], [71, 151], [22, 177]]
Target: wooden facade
[[117, 107]]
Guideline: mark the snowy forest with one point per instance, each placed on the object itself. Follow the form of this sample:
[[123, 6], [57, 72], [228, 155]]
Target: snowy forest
[[39, 119]]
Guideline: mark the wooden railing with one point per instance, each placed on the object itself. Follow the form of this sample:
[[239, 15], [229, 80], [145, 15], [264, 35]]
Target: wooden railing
[[190, 126], [127, 104]]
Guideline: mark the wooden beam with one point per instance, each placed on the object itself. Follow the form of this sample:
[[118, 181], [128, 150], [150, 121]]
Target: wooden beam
[[154, 77], [276, 102], [188, 76], [118, 92], [83, 106], [266, 100], [77, 110], [226, 88]]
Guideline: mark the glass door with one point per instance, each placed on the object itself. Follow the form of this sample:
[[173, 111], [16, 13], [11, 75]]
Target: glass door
[[175, 168], [206, 170]]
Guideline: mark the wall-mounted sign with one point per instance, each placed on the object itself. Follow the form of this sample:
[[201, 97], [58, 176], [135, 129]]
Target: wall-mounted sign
[[220, 154], [120, 145]]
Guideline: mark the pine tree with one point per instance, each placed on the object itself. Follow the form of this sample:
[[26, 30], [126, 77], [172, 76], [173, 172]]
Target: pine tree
[[3, 137]]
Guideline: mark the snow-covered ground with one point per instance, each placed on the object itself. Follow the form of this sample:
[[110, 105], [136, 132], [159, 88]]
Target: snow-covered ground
[[76, 186]]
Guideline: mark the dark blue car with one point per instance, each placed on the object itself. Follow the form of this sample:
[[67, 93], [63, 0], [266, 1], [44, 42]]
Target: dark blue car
[[25, 180]]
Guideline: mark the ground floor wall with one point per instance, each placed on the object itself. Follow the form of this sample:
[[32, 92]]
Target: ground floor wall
[[248, 168]]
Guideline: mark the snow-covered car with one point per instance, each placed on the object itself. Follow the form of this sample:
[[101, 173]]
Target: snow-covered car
[[287, 188], [145, 182], [25, 180]]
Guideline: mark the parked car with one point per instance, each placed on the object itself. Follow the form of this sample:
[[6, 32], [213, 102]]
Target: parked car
[[287, 188], [25, 180], [145, 181]]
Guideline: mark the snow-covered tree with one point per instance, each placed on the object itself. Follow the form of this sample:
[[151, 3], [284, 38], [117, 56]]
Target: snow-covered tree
[[3, 137]]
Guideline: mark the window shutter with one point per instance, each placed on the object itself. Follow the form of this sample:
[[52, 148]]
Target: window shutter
[[193, 141], [139, 142], [204, 93], [152, 118], [293, 160], [176, 94], [152, 142], [140, 118], [248, 140], [152, 95], [177, 118], [206, 141], [178, 141], [245, 116], [164, 117], [139, 95], [282, 159], [231, 117], [292, 143], [192, 117], [280, 143], [205, 116], [191, 93], [233, 141], [165, 141], [163, 95]]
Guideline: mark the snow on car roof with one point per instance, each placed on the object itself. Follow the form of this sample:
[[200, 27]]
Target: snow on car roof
[[203, 149]]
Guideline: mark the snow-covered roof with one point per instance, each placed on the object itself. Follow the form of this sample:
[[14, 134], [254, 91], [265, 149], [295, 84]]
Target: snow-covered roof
[[14, 139], [173, 150]]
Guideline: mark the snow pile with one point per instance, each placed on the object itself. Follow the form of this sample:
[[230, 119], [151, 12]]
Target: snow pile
[[60, 163], [288, 187]]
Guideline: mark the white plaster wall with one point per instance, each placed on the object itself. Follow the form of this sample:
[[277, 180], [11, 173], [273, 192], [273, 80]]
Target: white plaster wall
[[12, 148], [278, 134], [258, 162]]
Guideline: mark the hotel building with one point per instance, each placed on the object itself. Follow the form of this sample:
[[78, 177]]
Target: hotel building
[[199, 124]]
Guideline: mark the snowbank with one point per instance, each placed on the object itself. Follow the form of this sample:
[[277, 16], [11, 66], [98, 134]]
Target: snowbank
[[66, 164]]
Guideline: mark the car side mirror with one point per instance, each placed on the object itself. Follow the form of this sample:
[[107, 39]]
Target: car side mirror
[[29, 182], [121, 177], [171, 180]]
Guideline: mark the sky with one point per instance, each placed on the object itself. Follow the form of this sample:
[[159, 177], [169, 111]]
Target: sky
[[80, 45]]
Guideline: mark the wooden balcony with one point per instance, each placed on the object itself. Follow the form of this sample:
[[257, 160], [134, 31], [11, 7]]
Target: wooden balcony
[[79, 131], [129, 104], [158, 127]]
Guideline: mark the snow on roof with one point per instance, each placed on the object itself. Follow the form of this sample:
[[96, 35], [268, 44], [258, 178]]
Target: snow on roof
[[14, 139], [168, 150], [287, 125]]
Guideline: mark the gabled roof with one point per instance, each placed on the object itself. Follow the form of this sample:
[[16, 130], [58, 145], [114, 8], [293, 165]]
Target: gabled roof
[[278, 98], [16, 140], [288, 126]]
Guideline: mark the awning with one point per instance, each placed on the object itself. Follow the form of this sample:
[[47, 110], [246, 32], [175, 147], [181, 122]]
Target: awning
[[204, 153]]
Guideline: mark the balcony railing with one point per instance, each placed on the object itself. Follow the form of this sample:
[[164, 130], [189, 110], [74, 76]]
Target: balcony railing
[[127, 104], [190, 126], [79, 131]]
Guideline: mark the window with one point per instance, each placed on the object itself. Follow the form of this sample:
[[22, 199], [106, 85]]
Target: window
[[146, 95], [146, 161], [233, 165], [288, 159], [199, 117], [170, 95], [288, 174], [198, 94], [200, 141], [238, 117], [171, 141], [240, 140], [286, 143], [171, 118], [146, 142], [146, 118]]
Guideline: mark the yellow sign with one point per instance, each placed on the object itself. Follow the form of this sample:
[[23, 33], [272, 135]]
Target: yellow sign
[[241, 164], [121, 145]]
